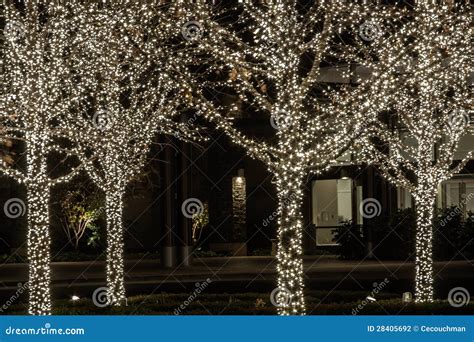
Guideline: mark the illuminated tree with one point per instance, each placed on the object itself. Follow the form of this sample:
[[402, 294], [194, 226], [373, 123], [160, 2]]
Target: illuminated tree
[[79, 213], [425, 69], [32, 98], [122, 101], [270, 57]]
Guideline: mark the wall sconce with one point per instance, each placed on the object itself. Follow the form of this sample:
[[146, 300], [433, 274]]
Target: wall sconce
[[240, 178], [344, 174]]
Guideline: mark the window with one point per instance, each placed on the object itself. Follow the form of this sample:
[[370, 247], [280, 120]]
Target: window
[[465, 145], [458, 193], [404, 200], [470, 197], [452, 193], [331, 205]]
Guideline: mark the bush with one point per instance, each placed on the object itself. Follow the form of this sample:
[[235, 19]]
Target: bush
[[394, 236], [318, 303], [350, 241], [468, 236], [78, 217], [453, 235]]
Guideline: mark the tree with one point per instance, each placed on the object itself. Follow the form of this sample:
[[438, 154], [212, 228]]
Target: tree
[[79, 212], [122, 100], [425, 66], [270, 57], [32, 98]]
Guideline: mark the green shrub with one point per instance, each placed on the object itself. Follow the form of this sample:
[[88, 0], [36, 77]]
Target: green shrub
[[350, 241], [394, 235], [453, 235], [318, 303]]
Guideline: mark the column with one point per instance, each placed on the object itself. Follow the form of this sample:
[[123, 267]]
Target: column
[[168, 250], [185, 243]]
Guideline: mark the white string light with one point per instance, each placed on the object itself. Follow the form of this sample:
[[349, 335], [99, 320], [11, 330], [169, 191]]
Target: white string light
[[112, 77], [30, 101], [425, 69], [260, 57], [132, 99], [61, 63]]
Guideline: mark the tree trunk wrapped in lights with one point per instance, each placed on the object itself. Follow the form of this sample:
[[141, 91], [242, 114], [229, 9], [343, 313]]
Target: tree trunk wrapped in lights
[[270, 60], [31, 100], [122, 101], [424, 203], [425, 67], [290, 250], [39, 240], [115, 260]]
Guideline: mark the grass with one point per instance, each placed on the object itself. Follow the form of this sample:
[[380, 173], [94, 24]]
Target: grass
[[318, 303]]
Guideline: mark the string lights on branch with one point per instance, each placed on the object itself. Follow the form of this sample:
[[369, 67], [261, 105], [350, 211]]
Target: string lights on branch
[[31, 99], [425, 70], [72, 72], [270, 58], [98, 81], [121, 100]]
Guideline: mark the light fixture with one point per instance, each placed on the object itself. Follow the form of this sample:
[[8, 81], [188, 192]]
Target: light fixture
[[407, 297]]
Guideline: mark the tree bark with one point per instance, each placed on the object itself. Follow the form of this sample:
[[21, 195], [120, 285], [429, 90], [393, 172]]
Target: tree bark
[[115, 246], [290, 297], [39, 239], [424, 247]]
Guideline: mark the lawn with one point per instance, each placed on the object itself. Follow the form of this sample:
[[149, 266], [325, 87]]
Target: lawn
[[318, 303]]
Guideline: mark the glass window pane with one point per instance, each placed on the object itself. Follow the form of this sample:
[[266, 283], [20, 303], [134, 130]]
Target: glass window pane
[[360, 218], [332, 204], [452, 194], [403, 198], [469, 197], [344, 199], [325, 203]]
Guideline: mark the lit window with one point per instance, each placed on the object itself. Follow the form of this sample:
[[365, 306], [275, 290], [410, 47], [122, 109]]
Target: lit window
[[331, 205]]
